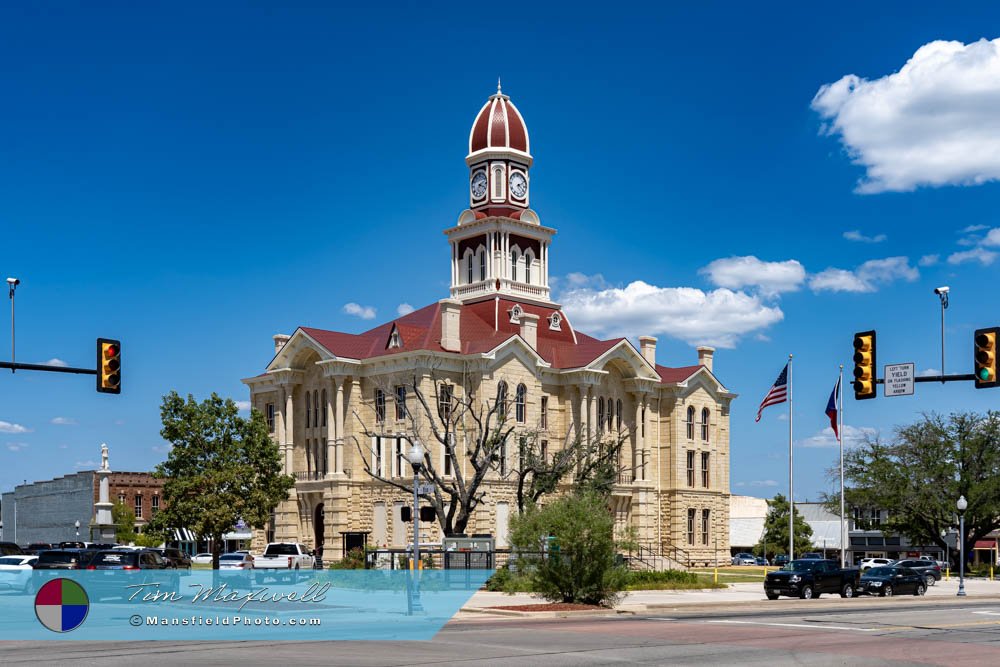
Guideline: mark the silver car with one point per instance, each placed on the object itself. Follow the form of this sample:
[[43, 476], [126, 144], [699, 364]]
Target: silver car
[[744, 559]]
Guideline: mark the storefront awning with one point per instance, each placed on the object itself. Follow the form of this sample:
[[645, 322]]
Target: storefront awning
[[184, 535], [985, 544]]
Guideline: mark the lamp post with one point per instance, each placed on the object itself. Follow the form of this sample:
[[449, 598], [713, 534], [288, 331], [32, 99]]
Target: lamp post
[[947, 552], [77, 526], [942, 293], [962, 505], [12, 284], [416, 458]]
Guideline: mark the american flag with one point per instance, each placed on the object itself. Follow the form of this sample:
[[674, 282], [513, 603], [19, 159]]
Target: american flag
[[778, 393]]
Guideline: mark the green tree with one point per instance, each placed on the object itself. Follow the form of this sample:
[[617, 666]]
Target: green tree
[[775, 538], [576, 533], [918, 476], [124, 519], [221, 468]]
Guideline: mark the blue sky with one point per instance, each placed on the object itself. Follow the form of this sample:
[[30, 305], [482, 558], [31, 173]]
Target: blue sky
[[194, 180]]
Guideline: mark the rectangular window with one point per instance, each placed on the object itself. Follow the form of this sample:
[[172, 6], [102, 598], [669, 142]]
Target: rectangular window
[[156, 505], [400, 459], [377, 455], [690, 468], [705, 516], [704, 469], [690, 424], [447, 458], [401, 402], [643, 429], [269, 413], [503, 458], [444, 402], [138, 506], [544, 424], [544, 452], [379, 406], [690, 526], [704, 425], [121, 498]]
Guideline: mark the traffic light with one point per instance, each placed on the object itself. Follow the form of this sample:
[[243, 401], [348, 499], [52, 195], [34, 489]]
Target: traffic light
[[864, 365], [406, 514], [109, 366], [986, 357], [427, 514]]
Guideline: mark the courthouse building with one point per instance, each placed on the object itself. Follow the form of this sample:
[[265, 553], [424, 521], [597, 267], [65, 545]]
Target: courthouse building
[[498, 331]]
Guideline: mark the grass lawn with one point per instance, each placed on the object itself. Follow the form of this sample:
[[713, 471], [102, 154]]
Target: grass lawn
[[736, 575], [201, 566]]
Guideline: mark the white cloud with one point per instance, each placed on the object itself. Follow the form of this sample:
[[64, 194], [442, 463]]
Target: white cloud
[[243, 406], [932, 123], [578, 280], [86, 464], [865, 278], [763, 482], [162, 449], [981, 255], [364, 312], [63, 421], [16, 446], [992, 237], [718, 318], [770, 278], [974, 228], [929, 260], [8, 427], [404, 309], [853, 436], [928, 372], [856, 235], [56, 362]]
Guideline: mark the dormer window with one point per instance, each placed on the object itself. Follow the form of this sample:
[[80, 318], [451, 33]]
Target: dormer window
[[394, 340], [555, 322], [515, 314]]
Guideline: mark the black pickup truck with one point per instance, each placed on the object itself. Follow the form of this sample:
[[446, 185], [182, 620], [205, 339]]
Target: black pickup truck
[[811, 578]]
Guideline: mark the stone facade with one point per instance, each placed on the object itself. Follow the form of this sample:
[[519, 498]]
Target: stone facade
[[322, 389]]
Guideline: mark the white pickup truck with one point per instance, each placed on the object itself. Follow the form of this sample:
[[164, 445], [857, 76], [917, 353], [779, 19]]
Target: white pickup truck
[[284, 556]]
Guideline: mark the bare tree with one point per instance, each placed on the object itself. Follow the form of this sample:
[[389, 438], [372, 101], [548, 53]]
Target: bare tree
[[485, 427]]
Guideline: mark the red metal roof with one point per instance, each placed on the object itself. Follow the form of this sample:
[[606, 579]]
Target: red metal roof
[[483, 326]]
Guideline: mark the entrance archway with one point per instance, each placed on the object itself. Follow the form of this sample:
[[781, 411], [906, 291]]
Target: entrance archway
[[319, 528]]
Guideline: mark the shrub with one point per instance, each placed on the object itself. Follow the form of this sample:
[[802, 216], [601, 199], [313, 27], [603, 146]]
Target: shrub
[[354, 560], [570, 544]]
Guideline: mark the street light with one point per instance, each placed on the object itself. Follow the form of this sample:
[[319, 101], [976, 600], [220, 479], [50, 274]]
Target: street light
[[947, 551], [962, 505], [77, 525], [12, 284], [942, 293], [416, 458]]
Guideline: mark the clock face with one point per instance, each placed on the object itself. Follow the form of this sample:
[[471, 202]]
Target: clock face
[[518, 185], [479, 185]]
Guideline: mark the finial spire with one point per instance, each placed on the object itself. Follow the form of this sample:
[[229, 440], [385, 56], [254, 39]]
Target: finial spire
[[498, 85]]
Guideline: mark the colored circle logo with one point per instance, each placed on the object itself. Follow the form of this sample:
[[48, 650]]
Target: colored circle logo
[[61, 605]]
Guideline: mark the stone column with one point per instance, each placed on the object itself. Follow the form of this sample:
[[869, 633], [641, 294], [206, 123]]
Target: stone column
[[331, 430], [338, 454], [592, 427], [289, 430], [639, 444]]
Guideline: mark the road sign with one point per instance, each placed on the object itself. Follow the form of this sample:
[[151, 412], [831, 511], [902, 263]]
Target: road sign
[[425, 489], [899, 380]]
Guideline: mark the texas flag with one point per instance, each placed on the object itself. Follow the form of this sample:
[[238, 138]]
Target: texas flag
[[831, 409]]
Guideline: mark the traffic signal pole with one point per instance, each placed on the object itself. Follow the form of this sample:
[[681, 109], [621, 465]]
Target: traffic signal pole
[[46, 367]]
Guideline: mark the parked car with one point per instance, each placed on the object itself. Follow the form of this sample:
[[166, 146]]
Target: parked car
[[888, 580], [929, 569], [744, 559], [812, 555], [64, 559], [202, 559], [236, 561], [72, 545], [867, 563], [10, 549], [15, 572], [762, 561], [286, 556], [811, 577], [780, 560], [37, 547], [120, 559], [175, 558]]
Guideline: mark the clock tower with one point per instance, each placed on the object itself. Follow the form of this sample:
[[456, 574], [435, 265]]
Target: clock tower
[[499, 158], [499, 249]]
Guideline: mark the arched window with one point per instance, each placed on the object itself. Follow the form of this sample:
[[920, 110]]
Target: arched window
[[501, 399], [513, 264], [315, 408], [619, 414], [600, 415], [471, 264], [308, 409], [690, 423], [323, 404], [611, 414], [519, 404], [482, 264], [704, 424], [498, 182], [528, 259]]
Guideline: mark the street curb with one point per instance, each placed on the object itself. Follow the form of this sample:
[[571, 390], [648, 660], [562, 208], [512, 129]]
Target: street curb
[[547, 614]]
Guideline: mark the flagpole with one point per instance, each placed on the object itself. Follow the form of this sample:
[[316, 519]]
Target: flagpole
[[791, 488], [840, 438]]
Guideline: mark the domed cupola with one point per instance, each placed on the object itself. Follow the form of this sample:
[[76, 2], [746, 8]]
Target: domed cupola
[[499, 158]]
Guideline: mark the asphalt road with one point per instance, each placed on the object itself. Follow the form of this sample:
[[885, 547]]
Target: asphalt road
[[817, 632]]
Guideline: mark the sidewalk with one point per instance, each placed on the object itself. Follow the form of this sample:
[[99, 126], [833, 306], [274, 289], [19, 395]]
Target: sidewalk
[[744, 594]]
